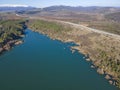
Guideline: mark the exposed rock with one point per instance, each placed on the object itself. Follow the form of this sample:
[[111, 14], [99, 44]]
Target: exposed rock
[[114, 83], [100, 71], [110, 81], [107, 77], [11, 43], [73, 50], [88, 59], [7, 47], [18, 42], [92, 66]]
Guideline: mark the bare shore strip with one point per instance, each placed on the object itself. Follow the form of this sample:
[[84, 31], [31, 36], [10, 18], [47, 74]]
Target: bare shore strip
[[10, 45], [102, 48]]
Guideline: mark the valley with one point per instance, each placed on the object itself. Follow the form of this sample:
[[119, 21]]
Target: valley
[[94, 30]]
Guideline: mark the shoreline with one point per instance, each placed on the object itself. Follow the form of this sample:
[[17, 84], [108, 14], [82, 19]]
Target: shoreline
[[91, 54], [12, 32], [9, 45], [87, 58]]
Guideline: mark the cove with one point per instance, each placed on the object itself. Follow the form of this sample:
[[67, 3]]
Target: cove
[[44, 64]]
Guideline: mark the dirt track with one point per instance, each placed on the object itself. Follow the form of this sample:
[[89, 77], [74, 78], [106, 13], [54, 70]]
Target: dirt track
[[82, 27]]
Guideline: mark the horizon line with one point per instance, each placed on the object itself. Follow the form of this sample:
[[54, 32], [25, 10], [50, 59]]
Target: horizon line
[[25, 5]]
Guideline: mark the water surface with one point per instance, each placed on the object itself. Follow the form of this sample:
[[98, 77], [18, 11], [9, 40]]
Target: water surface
[[44, 64]]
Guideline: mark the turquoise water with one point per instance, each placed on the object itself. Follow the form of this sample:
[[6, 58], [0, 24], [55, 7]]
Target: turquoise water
[[44, 64]]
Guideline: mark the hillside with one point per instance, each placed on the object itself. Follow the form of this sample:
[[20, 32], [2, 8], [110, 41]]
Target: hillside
[[102, 18], [10, 33], [17, 8], [101, 48], [91, 9]]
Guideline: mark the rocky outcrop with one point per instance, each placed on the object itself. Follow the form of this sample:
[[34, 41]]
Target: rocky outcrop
[[1, 50], [11, 33], [107, 77], [110, 81], [9, 45], [100, 71], [18, 42], [92, 66]]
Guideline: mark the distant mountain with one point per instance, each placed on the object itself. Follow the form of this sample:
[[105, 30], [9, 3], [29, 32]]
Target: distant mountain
[[13, 5], [33, 10], [93, 9], [9, 8]]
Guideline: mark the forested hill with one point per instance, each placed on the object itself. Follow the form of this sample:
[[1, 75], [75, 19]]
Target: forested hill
[[90, 9], [10, 32]]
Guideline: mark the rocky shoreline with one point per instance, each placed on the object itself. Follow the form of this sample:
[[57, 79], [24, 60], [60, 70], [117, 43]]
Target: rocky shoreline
[[107, 76], [10, 45], [95, 49], [110, 78], [11, 33]]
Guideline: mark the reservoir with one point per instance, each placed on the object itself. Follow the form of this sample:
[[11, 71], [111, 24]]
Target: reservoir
[[44, 64]]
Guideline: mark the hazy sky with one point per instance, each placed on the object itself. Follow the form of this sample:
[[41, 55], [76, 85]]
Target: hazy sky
[[44, 3]]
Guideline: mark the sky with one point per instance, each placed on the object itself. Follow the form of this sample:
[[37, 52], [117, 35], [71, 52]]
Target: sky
[[46, 3]]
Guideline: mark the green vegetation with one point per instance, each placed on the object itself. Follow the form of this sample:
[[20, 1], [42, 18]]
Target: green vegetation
[[10, 30], [103, 51], [53, 29], [48, 26], [10, 33], [109, 63]]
